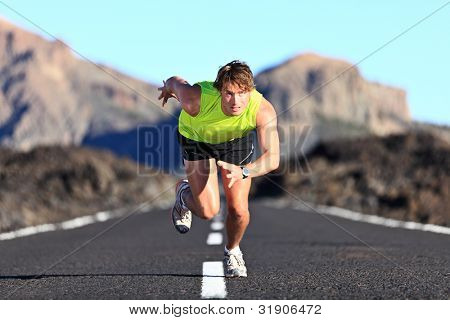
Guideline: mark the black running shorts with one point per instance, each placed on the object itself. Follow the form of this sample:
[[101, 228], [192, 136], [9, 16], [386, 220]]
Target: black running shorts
[[238, 151]]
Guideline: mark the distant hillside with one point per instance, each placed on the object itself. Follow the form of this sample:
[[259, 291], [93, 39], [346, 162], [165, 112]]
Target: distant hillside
[[440, 131], [49, 96], [53, 184], [308, 90], [405, 177]]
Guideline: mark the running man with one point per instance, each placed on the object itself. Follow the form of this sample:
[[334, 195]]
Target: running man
[[215, 125]]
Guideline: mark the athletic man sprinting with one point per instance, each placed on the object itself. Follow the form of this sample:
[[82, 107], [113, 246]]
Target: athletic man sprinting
[[214, 124]]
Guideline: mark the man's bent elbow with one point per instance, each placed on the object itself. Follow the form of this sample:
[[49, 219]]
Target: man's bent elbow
[[275, 162], [191, 109]]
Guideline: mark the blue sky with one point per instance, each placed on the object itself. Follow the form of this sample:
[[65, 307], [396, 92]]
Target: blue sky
[[153, 40]]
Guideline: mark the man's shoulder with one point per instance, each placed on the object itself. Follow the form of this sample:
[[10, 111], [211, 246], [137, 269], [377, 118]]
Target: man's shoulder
[[266, 113], [207, 87]]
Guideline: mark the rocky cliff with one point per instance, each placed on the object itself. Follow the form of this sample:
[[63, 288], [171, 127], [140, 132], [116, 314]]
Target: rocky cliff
[[49, 96], [331, 98]]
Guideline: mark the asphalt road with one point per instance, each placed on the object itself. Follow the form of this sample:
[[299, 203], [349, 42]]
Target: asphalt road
[[290, 254]]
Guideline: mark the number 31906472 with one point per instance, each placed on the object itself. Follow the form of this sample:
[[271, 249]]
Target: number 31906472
[[293, 309]]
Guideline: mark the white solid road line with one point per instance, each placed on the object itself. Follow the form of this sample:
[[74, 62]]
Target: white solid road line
[[355, 216], [213, 282], [78, 222], [387, 222], [69, 224]]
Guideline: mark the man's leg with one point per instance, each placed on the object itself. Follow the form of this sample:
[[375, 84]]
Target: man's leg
[[237, 221], [238, 216], [202, 197]]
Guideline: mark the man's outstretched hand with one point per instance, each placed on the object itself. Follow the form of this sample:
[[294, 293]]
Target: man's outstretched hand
[[234, 171], [165, 94]]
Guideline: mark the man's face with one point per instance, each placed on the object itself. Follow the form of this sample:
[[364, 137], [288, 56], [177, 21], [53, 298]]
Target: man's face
[[234, 99]]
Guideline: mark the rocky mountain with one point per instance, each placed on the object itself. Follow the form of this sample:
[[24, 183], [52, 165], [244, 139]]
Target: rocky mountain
[[404, 176], [332, 99], [54, 183], [50, 96], [52, 102]]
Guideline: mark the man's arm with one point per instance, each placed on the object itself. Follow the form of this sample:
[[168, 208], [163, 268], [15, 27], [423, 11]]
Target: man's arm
[[269, 143], [178, 88], [266, 126]]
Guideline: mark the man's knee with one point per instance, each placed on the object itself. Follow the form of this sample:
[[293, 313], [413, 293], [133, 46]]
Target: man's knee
[[209, 211], [238, 211]]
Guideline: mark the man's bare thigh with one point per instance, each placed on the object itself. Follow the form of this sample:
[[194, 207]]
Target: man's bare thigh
[[203, 180]]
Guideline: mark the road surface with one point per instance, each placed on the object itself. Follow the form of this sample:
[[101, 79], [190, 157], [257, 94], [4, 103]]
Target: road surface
[[290, 254]]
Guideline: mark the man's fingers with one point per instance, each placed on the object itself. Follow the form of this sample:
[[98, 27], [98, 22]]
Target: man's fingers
[[229, 167], [224, 164], [165, 95]]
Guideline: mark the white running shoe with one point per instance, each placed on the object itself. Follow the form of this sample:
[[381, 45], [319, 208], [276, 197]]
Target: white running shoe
[[181, 215], [234, 265]]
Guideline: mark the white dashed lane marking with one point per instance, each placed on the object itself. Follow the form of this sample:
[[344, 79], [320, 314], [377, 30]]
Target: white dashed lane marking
[[214, 239], [217, 225], [213, 282]]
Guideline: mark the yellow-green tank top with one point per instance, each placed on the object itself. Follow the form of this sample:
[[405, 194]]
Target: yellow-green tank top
[[211, 125]]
